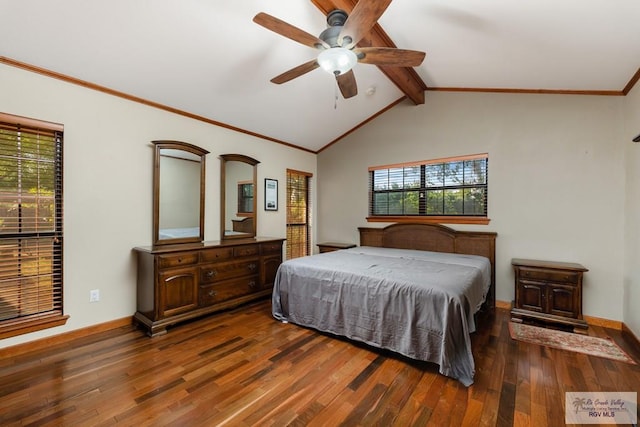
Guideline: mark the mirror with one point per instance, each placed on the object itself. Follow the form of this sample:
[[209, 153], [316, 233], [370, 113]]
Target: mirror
[[238, 175], [178, 193]]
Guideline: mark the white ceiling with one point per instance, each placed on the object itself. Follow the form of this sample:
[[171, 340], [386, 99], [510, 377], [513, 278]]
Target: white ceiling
[[207, 57]]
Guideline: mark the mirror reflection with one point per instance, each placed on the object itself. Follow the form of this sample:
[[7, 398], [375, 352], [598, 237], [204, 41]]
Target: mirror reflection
[[239, 203], [179, 189]]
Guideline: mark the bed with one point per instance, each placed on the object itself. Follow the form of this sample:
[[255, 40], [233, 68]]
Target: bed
[[414, 289]]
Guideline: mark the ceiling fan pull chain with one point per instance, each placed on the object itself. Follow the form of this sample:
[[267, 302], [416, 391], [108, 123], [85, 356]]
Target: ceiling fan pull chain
[[335, 97]]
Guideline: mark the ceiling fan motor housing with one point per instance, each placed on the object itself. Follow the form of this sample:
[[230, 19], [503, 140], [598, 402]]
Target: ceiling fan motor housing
[[335, 20]]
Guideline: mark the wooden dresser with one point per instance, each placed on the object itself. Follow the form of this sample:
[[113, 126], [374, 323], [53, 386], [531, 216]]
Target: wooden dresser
[[549, 291], [181, 282]]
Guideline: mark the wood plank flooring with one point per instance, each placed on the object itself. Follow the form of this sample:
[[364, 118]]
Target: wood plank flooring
[[243, 368]]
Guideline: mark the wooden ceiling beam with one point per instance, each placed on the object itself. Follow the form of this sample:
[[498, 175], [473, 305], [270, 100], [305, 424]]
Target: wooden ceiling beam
[[405, 78]]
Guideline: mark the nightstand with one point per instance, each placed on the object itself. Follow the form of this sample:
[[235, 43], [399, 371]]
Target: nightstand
[[549, 291], [334, 246]]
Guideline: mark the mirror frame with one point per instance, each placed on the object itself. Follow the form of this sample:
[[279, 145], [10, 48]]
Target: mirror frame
[[223, 194], [190, 148]]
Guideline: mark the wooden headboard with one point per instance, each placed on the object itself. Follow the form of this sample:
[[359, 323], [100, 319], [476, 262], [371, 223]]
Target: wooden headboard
[[435, 238], [244, 225]]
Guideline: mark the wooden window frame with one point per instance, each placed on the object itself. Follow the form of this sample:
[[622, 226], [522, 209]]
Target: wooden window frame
[[46, 318], [242, 200], [425, 218]]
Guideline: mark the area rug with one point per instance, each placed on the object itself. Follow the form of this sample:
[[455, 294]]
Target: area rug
[[593, 346]]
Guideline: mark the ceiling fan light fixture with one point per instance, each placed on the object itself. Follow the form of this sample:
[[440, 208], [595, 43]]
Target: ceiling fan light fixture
[[337, 60]]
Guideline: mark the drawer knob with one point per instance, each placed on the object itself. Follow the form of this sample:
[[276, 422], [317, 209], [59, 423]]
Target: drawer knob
[[212, 293], [252, 266], [211, 273], [252, 284]]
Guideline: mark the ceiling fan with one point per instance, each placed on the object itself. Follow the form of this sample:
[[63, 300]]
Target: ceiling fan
[[337, 45]]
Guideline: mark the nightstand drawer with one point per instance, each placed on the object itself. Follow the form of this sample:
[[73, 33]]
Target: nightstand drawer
[[550, 275]]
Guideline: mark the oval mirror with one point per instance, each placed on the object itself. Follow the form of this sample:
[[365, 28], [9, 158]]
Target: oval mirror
[[178, 193], [238, 218]]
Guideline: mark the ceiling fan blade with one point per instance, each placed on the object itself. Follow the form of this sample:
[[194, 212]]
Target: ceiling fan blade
[[289, 31], [388, 56], [347, 84], [363, 17], [295, 72]]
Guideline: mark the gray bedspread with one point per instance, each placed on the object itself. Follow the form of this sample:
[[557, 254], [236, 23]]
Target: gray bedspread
[[419, 304]]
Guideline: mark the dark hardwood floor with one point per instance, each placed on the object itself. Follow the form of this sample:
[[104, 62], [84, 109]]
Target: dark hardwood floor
[[243, 368]]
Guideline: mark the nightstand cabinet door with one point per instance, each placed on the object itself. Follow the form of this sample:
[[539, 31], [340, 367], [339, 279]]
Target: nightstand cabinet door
[[562, 301], [531, 296]]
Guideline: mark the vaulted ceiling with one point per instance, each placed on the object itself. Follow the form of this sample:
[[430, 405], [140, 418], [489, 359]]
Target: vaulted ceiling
[[209, 60]]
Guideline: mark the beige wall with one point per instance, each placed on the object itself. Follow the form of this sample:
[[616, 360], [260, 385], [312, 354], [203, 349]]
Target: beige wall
[[632, 213], [556, 175], [556, 178], [108, 181]]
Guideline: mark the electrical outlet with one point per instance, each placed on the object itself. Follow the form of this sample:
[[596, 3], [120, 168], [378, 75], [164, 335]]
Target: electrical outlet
[[94, 295]]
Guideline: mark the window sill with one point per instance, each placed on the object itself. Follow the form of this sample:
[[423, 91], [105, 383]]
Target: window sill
[[25, 325], [481, 220]]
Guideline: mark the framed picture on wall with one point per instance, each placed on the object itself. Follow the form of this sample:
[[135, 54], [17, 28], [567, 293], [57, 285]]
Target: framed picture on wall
[[270, 194]]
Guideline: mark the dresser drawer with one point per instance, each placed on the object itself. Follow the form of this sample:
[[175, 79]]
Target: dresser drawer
[[217, 254], [228, 270], [229, 289], [177, 260], [550, 275], [271, 248], [245, 250]]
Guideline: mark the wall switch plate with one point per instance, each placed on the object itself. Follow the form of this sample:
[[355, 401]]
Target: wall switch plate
[[94, 295]]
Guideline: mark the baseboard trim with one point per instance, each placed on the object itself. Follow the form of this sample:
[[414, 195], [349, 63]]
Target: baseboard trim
[[632, 337], [503, 304], [595, 321], [605, 323], [41, 343]]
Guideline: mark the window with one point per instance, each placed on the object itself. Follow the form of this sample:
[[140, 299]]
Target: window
[[245, 198], [452, 190], [30, 225], [298, 214]]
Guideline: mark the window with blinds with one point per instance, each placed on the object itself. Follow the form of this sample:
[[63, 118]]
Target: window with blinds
[[441, 189], [30, 225], [298, 214], [245, 198]]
